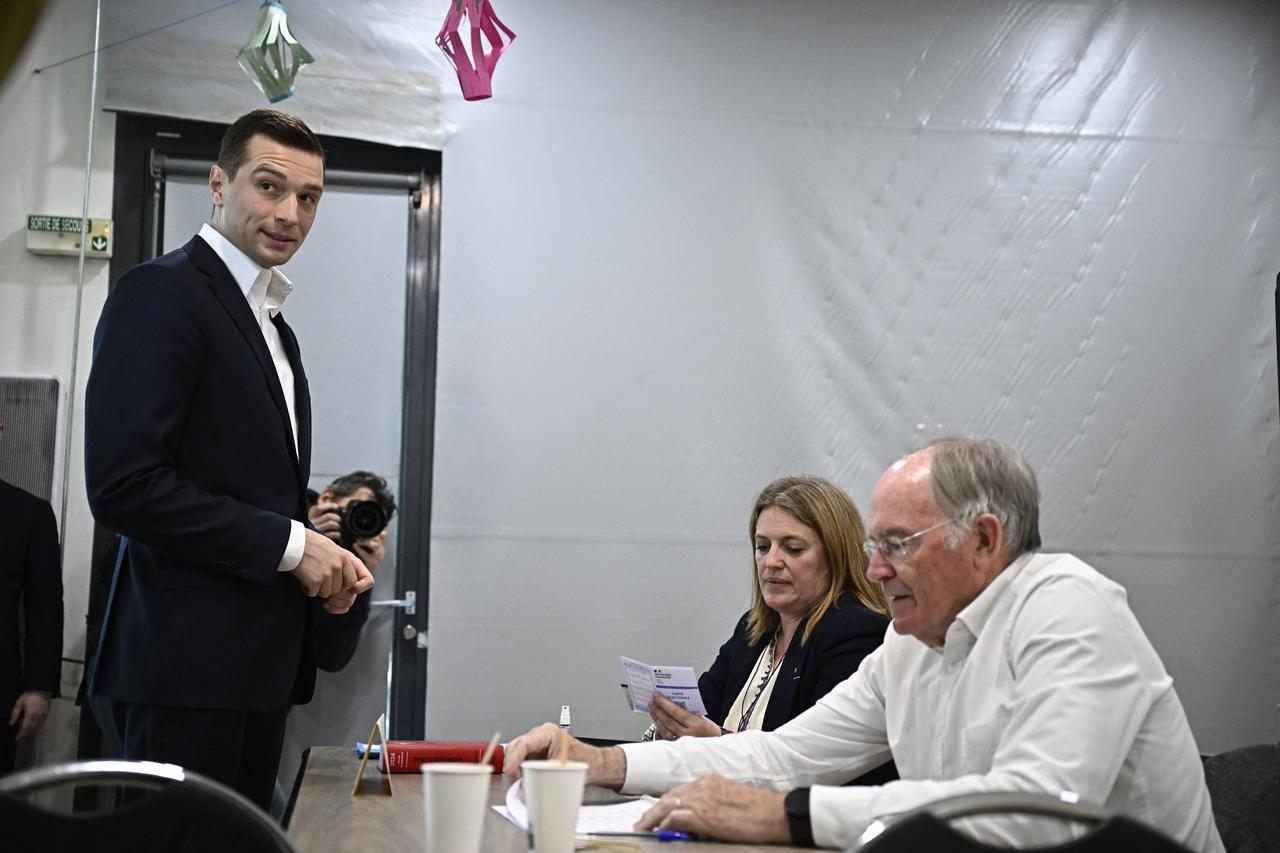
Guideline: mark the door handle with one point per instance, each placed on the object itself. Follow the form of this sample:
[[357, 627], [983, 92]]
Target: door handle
[[409, 603]]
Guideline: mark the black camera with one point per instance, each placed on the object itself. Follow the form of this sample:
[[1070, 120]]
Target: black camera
[[360, 520]]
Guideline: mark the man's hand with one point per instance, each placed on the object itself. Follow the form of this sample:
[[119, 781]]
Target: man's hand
[[324, 517], [340, 602], [714, 807], [325, 567], [28, 713], [675, 722], [606, 766], [372, 550]]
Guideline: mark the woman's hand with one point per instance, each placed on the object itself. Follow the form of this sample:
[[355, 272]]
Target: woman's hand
[[675, 722]]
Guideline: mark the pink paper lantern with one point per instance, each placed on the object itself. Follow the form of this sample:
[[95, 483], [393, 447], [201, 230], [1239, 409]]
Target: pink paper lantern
[[475, 70]]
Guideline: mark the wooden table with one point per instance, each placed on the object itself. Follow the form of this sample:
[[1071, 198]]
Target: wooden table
[[327, 818]]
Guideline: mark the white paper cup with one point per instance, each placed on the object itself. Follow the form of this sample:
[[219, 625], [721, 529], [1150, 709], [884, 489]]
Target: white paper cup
[[455, 797], [553, 792]]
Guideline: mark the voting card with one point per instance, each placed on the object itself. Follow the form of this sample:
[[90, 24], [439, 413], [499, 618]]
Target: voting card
[[677, 683]]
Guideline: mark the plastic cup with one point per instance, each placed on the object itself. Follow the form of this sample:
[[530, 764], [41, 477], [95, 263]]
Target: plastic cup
[[553, 792], [455, 797]]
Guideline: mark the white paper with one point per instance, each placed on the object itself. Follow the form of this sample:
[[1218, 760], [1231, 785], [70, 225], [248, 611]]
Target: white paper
[[615, 817], [677, 683]]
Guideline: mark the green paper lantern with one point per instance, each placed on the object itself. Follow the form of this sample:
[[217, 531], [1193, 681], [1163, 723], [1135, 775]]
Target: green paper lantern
[[272, 57]]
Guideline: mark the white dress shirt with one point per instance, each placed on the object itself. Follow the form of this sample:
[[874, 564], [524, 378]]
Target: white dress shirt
[[266, 291], [1045, 683]]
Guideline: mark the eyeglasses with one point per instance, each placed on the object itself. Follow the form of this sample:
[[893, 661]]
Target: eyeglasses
[[893, 548]]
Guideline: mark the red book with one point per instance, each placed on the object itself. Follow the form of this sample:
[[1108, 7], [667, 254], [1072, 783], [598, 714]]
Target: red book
[[407, 756]]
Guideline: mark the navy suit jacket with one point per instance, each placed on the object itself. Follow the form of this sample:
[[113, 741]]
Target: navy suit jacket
[[30, 583], [845, 635], [189, 455]]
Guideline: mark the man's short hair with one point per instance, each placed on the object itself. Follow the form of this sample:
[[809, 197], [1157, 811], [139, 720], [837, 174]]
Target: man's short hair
[[348, 484], [976, 476], [283, 128]]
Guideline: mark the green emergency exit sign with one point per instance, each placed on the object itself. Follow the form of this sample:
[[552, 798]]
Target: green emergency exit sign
[[60, 235]]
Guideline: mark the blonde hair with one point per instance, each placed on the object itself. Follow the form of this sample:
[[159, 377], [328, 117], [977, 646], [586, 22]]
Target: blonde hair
[[823, 506]]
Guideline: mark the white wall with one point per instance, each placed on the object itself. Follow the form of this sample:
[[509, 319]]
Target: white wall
[[43, 141], [689, 247]]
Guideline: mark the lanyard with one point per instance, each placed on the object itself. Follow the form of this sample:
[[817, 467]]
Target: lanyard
[[764, 682]]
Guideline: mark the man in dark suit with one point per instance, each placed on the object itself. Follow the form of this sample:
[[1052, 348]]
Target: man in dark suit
[[30, 579], [197, 451]]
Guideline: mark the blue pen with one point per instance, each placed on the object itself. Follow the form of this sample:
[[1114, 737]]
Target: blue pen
[[661, 834]]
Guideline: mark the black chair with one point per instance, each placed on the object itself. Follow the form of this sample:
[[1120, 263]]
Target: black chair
[[928, 828], [179, 812], [1244, 787]]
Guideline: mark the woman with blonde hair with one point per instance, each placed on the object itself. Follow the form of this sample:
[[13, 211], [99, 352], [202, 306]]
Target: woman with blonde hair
[[814, 616]]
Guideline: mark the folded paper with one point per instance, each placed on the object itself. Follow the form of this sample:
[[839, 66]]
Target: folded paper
[[272, 56], [475, 69]]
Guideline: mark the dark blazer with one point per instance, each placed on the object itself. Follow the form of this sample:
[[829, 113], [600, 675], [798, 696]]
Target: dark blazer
[[30, 578], [846, 634], [190, 457]]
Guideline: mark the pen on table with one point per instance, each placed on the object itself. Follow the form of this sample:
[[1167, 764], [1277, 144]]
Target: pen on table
[[661, 835]]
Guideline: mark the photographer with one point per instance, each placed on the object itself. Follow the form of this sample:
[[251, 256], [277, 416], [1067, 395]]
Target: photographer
[[342, 513], [353, 511]]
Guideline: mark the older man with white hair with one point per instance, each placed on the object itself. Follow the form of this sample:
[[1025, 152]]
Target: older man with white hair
[[1006, 670]]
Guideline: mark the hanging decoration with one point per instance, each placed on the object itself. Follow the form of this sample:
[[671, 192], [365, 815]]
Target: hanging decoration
[[475, 70], [272, 57]]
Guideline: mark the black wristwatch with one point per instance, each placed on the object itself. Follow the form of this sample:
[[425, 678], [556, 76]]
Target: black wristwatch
[[796, 806]]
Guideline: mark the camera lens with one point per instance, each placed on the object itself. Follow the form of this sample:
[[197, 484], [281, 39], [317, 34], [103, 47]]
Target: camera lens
[[365, 519]]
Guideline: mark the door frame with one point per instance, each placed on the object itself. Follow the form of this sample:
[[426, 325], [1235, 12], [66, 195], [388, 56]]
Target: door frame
[[142, 144]]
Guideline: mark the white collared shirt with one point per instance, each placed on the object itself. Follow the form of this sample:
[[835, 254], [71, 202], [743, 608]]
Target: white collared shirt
[[266, 291], [1045, 683]]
